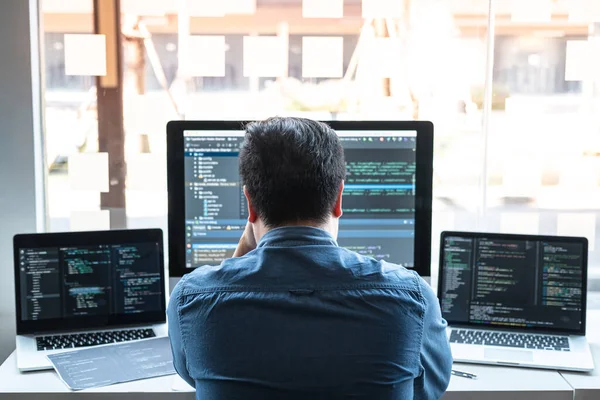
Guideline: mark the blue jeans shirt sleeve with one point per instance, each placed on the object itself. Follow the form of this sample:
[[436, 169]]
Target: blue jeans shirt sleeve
[[175, 334], [436, 357]]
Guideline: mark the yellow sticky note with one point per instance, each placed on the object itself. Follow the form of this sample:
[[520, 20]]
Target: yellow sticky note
[[141, 204], [582, 59], [584, 11], [206, 8], [206, 56], [239, 6], [322, 57], [382, 8], [83, 200], [580, 175], [146, 172], [520, 182], [323, 8], [146, 8], [89, 172], [531, 11], [381, 57], [85, 54], [67, 7], [264, 56], [90, 220], [527, 223]]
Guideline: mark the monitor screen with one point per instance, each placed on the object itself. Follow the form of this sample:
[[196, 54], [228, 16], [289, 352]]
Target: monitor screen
[[378, 199], [513, 281], [87, 280]]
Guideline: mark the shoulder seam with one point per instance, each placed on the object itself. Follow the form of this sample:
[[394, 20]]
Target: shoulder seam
[[214, 289]]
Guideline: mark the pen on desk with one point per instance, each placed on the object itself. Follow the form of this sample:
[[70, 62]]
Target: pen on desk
[[464, 374]]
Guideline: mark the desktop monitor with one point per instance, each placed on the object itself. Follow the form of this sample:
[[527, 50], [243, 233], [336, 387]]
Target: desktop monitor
[[386, 203]]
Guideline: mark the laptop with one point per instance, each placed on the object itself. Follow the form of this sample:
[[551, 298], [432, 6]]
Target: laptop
[[516, 300], [80, 289]]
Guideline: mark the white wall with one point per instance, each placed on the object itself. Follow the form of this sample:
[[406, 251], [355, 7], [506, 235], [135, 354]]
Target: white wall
[[21, 194]]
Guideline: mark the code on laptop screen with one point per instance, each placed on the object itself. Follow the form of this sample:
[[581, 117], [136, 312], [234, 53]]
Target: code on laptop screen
[[83, 281], [512, 283]]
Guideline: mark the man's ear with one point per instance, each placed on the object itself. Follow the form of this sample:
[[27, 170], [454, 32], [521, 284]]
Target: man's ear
[[252, 215], [337, 208]]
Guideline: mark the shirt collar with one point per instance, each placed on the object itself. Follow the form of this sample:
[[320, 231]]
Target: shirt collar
[[296, 236]]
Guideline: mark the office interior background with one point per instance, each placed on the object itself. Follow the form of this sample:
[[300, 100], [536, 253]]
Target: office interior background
[[513, 88]]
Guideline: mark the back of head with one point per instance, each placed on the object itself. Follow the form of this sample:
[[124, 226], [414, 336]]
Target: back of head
[[293, 169]]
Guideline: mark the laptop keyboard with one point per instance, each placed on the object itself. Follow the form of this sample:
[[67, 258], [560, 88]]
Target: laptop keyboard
[[71, 341], [509, 339]]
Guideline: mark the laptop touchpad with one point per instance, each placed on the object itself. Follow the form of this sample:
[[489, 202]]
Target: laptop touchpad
[[508, 355]]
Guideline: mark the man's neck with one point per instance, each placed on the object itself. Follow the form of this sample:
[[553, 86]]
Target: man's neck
[[260, 229]]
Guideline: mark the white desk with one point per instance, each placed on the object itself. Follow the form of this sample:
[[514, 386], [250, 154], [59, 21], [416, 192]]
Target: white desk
[[587, 385], [46, 385], [507, 383], [492, 383]]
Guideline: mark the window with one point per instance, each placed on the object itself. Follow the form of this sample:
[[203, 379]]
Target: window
[[544, 70], [530, 165]]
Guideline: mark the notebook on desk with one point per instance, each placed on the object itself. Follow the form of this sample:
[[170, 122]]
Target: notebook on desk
[[80, 289], [515, 300]]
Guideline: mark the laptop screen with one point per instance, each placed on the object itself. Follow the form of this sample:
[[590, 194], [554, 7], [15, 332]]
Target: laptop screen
[[513, 281], [93, 278]]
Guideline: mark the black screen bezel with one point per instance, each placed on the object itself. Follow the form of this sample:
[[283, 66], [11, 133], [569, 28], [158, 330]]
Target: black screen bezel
[[558, 239], [68, 239], [176, 181]]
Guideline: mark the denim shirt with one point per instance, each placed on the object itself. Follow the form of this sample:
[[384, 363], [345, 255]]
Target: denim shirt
[[301, 318]]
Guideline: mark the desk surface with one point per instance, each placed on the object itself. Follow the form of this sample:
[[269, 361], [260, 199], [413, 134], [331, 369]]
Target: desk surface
[[587, 385], [492, 383], [47, 385]]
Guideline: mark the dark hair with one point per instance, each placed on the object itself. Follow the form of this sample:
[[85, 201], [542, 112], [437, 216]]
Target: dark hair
[[292, 169]]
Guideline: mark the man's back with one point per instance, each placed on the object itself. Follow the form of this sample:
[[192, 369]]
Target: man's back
[[300, 317]]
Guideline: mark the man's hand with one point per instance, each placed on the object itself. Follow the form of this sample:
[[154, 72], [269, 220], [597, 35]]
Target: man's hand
[[247, 242]]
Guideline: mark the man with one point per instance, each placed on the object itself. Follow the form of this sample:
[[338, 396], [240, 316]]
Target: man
[[292, 315]]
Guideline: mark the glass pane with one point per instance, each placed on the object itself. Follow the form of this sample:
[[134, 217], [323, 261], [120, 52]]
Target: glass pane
[[425, 61], [71, 128], [544, 164], [448, 77]]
